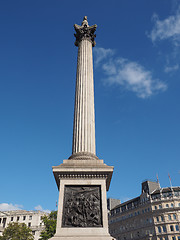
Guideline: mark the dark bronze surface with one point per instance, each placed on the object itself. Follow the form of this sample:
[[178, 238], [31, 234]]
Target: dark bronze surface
[[82, 206], [85, 32]]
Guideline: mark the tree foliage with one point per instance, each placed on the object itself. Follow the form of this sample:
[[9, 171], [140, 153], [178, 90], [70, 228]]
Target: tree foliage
[[50, 226], [17, 231]]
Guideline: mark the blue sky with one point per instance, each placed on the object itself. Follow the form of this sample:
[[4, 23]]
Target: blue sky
[[137, 85]]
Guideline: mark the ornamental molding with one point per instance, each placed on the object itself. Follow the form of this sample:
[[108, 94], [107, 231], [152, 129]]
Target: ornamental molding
[[82, 175], [85, 32], [83, 156]]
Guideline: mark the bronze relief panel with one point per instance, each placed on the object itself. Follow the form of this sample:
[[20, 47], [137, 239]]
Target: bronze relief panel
[[82, 206]]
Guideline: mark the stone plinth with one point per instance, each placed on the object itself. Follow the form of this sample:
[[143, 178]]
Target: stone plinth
[[82, 208]]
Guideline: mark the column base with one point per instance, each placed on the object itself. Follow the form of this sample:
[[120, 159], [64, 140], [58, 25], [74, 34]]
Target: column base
[[82, 238]]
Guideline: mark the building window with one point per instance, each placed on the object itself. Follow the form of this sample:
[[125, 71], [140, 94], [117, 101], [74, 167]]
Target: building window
[[174, 216], [171, 228], [157, 219], [167, 205], [164, 229], [33, 232], [160, 206], [177, 228], [29, 224], [17, 218], [162, 218], [0, 220], [172, 205], [173, 238], [11, 218], [179, 204], [117, 210], [4, 222], [30, 217], [24, 217], [159, 229], [150, 220], [178, 237], [155, 207], [165, 238], [169, 217]]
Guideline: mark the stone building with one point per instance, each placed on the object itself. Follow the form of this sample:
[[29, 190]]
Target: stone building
[[32, 219], [154, 215]]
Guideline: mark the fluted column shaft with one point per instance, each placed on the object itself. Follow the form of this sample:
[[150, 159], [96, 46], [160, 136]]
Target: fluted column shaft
[[84, 119]]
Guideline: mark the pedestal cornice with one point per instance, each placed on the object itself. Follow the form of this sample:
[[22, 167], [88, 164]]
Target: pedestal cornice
[[83, 169]]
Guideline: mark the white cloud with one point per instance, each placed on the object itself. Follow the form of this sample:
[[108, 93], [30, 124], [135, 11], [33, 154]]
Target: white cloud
[[168, 28], [39, 208], [130, 75], [10, 207], [171, 68], [101, 54]]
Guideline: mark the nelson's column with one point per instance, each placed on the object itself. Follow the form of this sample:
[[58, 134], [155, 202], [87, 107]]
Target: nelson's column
[[83, 179]]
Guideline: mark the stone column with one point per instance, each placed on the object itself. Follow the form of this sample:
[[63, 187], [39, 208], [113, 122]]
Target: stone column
[[83, 179], [84, 119]]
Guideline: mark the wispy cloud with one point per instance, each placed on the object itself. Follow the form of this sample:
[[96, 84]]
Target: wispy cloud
[[102, 53], [39, 208], [128, 74], [169, 28], [168, 69], [10, 207]]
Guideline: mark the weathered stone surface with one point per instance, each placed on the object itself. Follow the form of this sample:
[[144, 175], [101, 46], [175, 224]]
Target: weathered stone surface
[[83, 169], [84, 119]]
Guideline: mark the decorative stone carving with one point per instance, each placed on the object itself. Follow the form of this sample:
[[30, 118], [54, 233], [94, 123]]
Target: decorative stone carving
[[85, 32], [83, 175], [82, 206], [83, 155]]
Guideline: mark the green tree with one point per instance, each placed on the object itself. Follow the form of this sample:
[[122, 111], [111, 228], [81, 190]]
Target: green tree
[[50, 226], [17, 231]]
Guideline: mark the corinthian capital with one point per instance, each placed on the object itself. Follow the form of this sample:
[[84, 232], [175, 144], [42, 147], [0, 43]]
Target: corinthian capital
[[85, 32]]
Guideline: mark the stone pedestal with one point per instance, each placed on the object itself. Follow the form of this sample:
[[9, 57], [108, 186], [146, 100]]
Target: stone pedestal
[[82, 207]]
